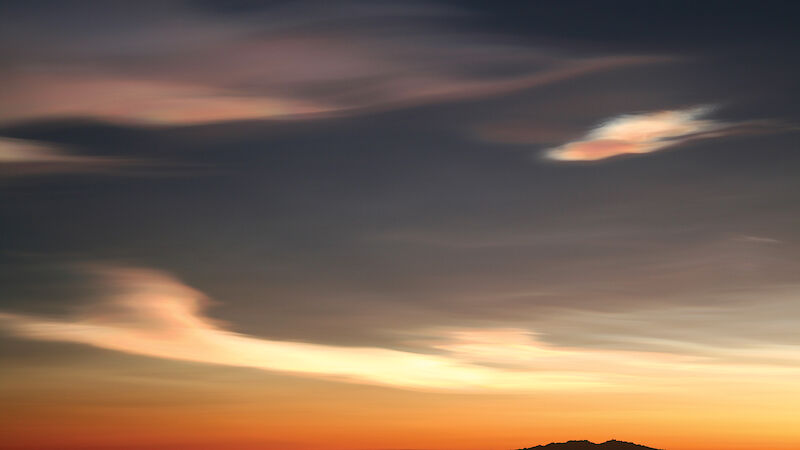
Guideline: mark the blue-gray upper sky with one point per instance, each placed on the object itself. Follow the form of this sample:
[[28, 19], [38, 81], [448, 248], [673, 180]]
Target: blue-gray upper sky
[[607, 175]]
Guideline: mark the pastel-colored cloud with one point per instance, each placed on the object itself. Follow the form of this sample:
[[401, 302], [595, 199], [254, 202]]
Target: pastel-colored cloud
[[120, 99], [180, 66], [328, 78], [147, 312], [638, 133]]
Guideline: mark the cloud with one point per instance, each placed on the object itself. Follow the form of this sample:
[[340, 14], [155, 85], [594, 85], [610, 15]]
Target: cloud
[[124, 99], [738, 328], [16, 151], [27, 157], [757, 239], [150, 313], [638, 133], [178, 65], [653, 131]]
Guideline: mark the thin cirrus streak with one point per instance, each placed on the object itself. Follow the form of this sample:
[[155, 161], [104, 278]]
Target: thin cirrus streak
[[151, 313]]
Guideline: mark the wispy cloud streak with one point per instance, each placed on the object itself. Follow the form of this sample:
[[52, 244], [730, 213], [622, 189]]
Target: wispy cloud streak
[[181, 66], [27, 157], [150, 313]]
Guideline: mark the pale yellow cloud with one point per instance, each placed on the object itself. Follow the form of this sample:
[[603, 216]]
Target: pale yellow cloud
[[150, 313], [639, 133]]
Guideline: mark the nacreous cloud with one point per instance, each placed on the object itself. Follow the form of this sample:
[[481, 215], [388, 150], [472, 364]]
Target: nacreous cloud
[[175, 64], [150, 313], [639, 133]]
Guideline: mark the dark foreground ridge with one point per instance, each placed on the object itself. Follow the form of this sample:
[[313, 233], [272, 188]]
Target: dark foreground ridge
[[588, 445]]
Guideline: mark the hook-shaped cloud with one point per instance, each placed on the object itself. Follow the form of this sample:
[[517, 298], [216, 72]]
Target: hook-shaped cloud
[[150, 313]]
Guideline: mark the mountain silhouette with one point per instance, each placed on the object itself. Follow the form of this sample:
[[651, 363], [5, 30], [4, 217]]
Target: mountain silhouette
[[588, 445]]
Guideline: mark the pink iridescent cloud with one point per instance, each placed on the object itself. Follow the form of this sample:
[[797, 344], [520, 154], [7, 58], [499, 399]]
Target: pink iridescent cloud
[[639, 133]]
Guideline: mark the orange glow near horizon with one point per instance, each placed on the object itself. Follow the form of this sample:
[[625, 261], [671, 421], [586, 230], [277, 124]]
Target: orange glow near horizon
[[637, 395], [279, 413]]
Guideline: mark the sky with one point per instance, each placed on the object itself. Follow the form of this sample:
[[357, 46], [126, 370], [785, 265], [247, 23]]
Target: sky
[[383, 225]]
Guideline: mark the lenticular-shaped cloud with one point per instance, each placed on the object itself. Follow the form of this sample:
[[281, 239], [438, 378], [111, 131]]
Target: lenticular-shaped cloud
[[638, 133], [150, 313]]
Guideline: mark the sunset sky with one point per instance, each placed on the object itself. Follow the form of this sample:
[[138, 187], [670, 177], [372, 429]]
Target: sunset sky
[[383, 225]]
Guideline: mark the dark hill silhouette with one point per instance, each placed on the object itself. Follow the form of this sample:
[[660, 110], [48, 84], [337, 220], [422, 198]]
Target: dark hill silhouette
[[587, 445]]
